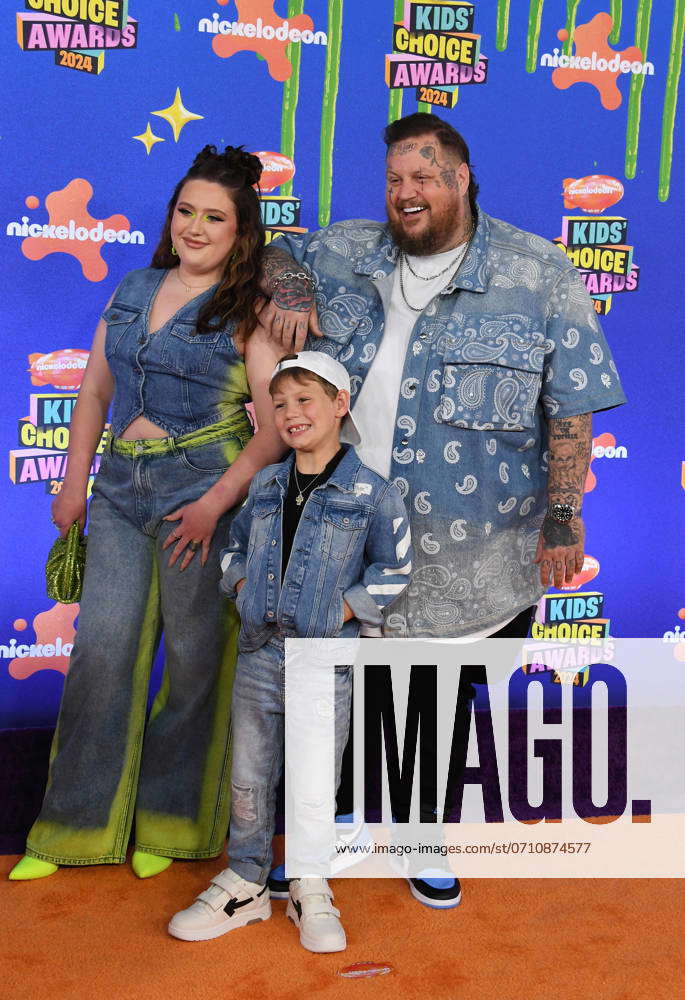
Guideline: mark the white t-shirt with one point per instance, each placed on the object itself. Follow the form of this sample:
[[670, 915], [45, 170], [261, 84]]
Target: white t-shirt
[[375, 409]]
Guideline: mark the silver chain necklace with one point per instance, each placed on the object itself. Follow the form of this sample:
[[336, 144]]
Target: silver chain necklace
[[454, 264], [300, 498]]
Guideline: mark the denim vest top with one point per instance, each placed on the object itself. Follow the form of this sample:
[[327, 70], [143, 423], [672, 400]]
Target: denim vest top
[[176, 378]]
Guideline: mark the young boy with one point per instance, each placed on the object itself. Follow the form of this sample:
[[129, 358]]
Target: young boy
[[320, 548]]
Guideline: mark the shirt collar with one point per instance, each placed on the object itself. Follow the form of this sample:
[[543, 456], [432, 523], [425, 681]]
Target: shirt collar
[[473, 275], [344, 476]]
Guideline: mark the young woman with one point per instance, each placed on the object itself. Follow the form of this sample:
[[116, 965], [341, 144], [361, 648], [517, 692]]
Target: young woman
[[177, 354]]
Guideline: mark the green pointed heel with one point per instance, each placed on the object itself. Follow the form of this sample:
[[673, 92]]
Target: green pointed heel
[[30, 868], [149, 865]]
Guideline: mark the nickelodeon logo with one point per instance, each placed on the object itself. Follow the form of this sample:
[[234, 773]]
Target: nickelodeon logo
[[258, 28], [54, 639], [603, 446], [277, 169], [63, 369], [592, 194], [71, 229], [594, 61]]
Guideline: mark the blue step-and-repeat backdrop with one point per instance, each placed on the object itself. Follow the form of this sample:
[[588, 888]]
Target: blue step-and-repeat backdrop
[[571, 112]]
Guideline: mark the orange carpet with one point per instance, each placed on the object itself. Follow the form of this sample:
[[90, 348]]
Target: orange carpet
[[100, 934]]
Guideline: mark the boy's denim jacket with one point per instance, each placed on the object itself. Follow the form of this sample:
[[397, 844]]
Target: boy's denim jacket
[[352, 544]]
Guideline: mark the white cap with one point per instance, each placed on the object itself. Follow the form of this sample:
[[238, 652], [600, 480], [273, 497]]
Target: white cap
[[330, 370]]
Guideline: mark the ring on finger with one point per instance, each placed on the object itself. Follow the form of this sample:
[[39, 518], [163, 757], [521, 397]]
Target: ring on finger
[[194, 546]]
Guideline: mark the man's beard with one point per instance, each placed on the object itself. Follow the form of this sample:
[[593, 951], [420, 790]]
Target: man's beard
[[431, 240]]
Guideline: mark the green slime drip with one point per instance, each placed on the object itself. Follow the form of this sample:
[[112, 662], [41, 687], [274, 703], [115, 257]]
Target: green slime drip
[[571, 11], [533, 37], [396, 95], [637, 82], [675, 62], [291, 92], [330, 96], [502, 35], [616, 17]]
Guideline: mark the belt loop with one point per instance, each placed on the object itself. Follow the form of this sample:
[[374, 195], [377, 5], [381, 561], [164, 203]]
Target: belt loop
[[173, 447]]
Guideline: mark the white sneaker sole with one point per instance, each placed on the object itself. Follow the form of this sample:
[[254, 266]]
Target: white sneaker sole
[[309, 943], [254, 916]]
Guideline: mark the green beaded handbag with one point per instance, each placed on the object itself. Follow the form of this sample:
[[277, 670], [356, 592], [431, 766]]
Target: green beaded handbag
[[65, 566]]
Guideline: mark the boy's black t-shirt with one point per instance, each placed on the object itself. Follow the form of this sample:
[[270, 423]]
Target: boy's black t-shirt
[[292, 511]]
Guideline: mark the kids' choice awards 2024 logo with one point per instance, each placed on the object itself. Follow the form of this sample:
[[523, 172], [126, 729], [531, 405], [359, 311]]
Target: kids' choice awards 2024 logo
[[280, 212], [435, 51], [598, 245], [43, 435], [79, 32]]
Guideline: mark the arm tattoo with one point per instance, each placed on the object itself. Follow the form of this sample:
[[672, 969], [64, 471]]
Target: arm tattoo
[[274, 263], [570, 445], [295, 293]]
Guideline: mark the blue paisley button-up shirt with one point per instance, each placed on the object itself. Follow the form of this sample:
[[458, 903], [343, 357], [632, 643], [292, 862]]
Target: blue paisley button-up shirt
[[512, 341]]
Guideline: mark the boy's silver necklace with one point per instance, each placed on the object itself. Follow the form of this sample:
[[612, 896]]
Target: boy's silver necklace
[[300, 498]]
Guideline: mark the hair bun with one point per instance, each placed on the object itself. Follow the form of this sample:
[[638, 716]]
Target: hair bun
[[241, 162], [245, 169], [206, 154]]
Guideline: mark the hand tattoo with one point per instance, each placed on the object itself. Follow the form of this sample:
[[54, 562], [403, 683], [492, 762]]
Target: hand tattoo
[[556, 534], [296, 294]]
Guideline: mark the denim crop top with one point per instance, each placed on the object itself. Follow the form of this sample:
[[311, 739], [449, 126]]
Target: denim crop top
[[177, 379]]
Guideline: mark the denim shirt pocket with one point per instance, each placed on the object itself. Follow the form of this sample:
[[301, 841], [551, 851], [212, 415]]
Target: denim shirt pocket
[[251, 601], [265, 509], [187, 353], [492, 381], [344, 525], [118, 319]]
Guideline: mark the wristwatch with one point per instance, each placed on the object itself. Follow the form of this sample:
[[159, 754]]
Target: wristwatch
[[562, 512]]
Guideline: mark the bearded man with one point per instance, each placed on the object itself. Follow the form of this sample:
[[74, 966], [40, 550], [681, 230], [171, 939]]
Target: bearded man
[[476, 362]]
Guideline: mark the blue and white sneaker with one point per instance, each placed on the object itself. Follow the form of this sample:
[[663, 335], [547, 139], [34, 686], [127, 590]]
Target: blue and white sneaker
[[438, 892], [279, 885]]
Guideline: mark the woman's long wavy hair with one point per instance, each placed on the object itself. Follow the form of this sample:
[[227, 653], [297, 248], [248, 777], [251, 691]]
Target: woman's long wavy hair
[[238, 292]]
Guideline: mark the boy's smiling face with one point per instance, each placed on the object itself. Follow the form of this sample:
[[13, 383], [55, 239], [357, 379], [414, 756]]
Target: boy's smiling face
[[306, 417]]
